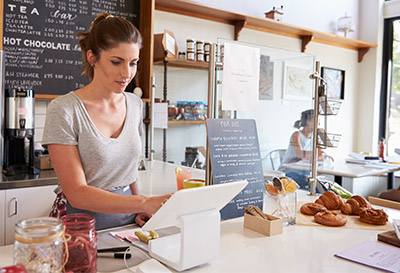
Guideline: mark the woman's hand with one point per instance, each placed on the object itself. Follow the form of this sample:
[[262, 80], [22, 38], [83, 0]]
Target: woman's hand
[[153, 204], [142, 218]]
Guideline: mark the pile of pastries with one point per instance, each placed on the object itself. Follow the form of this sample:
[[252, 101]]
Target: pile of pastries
[[325, 208]]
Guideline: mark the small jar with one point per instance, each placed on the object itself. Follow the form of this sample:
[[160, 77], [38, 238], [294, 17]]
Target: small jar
[[39, 244], [190, 55], [207, 57], [200, 45], [82, 244], [190, 43], [207, 47], [182, 55], [200, 56]]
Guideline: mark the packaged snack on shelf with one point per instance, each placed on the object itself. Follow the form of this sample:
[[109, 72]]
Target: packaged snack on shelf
[[333, 186]]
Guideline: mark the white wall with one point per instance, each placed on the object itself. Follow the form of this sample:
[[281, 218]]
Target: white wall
[[185, 27], [312, 14]]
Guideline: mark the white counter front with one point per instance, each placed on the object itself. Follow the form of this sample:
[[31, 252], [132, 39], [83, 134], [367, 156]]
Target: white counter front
[[297, 249]]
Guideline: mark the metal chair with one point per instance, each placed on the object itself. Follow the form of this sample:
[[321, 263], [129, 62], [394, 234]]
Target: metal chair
[[275, 157]]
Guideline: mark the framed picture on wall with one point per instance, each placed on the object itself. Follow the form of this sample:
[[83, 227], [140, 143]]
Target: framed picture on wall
[[296, 81], [334, 82]]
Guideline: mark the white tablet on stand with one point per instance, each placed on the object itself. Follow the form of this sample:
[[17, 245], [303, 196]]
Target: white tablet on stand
[[196, 212]]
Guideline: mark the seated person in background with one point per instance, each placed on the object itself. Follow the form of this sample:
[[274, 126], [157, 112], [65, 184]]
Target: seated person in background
[[300, 147], [393, 195]]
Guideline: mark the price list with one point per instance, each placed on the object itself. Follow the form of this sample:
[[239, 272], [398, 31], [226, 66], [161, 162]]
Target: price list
[[235, 155], [40, 43]]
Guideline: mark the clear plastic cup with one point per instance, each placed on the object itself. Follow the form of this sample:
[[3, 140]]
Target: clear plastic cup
[[182, 174]]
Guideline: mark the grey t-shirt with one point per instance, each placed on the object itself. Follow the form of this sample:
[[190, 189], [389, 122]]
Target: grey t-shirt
[[108, 163]]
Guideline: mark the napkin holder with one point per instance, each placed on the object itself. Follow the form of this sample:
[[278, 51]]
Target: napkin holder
[[264, 226]]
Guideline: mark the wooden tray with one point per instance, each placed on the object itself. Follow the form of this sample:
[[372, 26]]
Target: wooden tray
[[353, 221]]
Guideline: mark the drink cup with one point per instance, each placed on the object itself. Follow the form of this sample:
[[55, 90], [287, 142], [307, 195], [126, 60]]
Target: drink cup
[[181, 175], [193, 183]]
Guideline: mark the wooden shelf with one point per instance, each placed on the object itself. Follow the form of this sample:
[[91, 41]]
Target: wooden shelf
[[182, 63], [186, 121], [240, 21]]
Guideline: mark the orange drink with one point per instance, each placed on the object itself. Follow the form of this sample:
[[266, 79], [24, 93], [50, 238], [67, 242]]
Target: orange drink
[[182, 174]]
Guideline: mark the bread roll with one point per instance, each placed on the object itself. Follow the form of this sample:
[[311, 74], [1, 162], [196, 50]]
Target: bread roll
[[330, 200], [353, 205], [330, 218], [312, 208]]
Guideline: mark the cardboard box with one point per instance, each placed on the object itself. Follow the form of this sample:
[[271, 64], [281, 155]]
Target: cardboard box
[[43, 162], [266, 227], [165, 45]]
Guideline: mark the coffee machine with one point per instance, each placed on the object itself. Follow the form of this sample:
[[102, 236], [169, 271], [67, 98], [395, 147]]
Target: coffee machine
[[19, 131]]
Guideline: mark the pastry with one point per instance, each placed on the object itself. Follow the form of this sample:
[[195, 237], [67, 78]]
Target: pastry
[[330, 218], [354, 204], [373, 216], [330, 200], [312, 208]]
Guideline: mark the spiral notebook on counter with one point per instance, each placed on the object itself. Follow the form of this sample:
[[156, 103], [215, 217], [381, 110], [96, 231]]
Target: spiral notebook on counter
[[374, 254]]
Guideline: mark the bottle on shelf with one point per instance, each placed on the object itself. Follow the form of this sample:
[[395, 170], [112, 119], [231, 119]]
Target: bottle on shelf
[[382, 148]]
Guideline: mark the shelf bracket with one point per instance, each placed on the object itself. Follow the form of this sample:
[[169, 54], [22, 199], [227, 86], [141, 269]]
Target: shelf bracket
[[239, 25], [305, 39], [361, 52]]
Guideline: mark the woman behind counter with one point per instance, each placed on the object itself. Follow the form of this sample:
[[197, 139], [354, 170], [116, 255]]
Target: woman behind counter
[[93, 133], [300, 148]]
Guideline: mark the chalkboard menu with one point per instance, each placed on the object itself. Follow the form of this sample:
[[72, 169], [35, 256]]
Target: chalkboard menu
[[40, 42], [235, 155]]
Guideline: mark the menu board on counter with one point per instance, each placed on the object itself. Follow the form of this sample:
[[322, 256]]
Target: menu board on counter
[[41, 47], [235, 155]]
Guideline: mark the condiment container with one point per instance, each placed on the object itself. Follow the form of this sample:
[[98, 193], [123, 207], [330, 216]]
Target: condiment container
[[200, 45], [200, 56], [190, 44], [207, 47], [82, 242], [39, 244], [181, 55], [190, 55]]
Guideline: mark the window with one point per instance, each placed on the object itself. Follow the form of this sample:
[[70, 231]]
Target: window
[[390, 95]]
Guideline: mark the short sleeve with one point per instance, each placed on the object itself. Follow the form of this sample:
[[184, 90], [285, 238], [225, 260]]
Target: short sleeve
[[59, 126]]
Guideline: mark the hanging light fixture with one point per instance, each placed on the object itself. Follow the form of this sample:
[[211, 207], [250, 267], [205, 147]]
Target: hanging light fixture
[[345, 24]]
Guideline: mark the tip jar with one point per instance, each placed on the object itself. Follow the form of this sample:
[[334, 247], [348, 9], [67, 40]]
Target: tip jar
[[39, 244], [82, 242]]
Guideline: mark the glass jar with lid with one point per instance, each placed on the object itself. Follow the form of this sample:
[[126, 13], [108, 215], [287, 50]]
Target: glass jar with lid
[[39, 244], [82, 242]]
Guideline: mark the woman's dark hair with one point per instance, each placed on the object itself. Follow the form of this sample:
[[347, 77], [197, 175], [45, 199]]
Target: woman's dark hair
[[305, 115], [106, 32]]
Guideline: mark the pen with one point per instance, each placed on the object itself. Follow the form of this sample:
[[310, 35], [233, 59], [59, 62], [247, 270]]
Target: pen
[[113, 249], [114, 255]]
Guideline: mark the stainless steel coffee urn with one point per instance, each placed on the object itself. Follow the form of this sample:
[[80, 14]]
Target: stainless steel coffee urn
[[19, 131]]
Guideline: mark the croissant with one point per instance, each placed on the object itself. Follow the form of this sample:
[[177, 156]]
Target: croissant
[[312, 208], [330, 218], [330, 200], [373, 216], [354, 204]]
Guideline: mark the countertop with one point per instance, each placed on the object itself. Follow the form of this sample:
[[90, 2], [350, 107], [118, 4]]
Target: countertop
[[300, 248], [23, 180]]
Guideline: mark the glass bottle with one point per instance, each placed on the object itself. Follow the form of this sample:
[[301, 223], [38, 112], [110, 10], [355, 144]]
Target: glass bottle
[[82, 242], [39, 244]]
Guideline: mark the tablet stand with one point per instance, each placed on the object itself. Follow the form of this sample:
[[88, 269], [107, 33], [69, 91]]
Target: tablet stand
[[196, 244]]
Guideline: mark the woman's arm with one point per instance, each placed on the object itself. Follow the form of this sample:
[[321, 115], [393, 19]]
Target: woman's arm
[[68, 167], [301, 154]]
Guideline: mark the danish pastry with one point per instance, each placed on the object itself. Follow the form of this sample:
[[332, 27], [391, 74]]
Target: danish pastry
[[354, 204], [330, 218], [330, 200], [312, 208], [373, 216]]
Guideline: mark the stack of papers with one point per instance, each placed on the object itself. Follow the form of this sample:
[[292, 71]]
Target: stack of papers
[[370, 163], [374, 254]]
